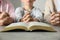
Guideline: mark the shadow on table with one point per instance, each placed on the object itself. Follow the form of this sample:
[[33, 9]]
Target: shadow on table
[[18, 30]]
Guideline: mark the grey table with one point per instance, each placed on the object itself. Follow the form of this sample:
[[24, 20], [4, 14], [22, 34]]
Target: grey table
[[31, 35]]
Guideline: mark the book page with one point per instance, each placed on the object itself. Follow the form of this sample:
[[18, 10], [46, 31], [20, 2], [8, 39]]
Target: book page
[[17, 24], [40, 26], [38, 23]]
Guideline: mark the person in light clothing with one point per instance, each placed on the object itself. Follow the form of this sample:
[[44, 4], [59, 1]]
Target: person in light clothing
[[28, 13], [6, 12], [52, 12]]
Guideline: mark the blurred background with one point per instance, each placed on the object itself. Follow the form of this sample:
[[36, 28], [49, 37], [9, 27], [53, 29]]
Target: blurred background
[[39, 3]]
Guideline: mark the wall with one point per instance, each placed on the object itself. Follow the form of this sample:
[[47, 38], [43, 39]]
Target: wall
[[38, 3]]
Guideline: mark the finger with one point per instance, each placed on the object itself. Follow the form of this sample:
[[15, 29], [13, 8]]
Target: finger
[[52, 17], [4, 21], [55, 22], [1, 23], [56, 19], [7, 18], [3, 15], [10, 20], [53, 13], [26, 17], [6, 14], [57, 15], [27, 20]]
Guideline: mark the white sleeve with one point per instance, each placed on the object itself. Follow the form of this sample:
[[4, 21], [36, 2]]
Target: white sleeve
[[18, 14], [47, 11], [38, 14]]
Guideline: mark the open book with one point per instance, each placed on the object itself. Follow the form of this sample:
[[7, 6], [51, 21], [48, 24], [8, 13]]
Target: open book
[[29, 26]]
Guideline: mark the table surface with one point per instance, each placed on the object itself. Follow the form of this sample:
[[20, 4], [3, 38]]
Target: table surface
[[31, 35]]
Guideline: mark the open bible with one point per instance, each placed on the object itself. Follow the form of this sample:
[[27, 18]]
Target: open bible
[[29, 26]]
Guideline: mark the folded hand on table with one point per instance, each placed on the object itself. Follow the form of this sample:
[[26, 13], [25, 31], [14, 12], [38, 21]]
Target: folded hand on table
[[5, 19], [55, 18]]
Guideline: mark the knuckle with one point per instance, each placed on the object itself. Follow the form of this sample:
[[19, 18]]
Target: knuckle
[[52, 17], [57, 15], [57, 22], [52, 21], [57, 18]]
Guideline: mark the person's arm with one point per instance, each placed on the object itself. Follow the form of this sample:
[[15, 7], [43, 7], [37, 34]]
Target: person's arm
[[18, 14], [50, 15], [55, 18], [11, 12], [37, 15], [47, 12], [20, 17], [5, 19]]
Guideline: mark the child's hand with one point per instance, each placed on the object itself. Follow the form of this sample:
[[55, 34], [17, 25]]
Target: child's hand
[[34, 19], [26, 18], [55, 19], [6, 21], [3, 15]]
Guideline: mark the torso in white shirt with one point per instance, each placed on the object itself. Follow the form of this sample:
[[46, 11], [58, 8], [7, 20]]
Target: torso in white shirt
[[57, 4]]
